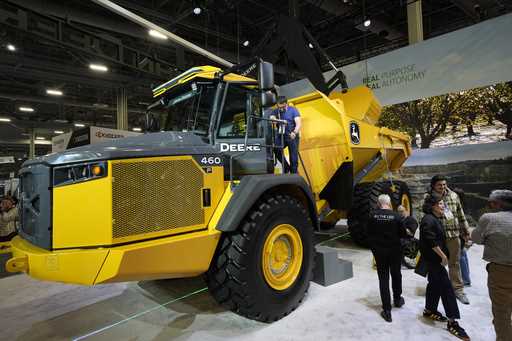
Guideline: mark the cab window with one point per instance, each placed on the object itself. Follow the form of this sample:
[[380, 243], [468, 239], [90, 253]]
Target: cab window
[[189, 108], [240, 103]]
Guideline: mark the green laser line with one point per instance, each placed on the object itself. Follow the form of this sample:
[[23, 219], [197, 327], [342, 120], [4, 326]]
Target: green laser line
[[169, 302], [334, 238], [139, 314]]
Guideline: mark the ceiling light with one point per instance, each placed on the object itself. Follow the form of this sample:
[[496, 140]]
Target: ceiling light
[[26, 109], [157, 34], [100, 105], [367, 23], [246, 43], [11, 47], [197, 10], [2, 119], [58, 132], [60, 121], [53, 92], [98, 67], [20, 159], [310, 45], [79, 125], [40, 138], [136, 129]]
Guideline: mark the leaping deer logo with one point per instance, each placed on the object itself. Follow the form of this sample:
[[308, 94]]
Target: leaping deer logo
[[354, 133]]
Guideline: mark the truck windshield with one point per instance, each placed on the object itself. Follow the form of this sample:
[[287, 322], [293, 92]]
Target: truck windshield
[[189, 108]]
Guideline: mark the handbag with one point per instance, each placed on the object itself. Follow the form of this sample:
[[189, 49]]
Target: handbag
[[421, 267]]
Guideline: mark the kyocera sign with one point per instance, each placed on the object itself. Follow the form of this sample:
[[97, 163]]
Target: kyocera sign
[[238, 147]]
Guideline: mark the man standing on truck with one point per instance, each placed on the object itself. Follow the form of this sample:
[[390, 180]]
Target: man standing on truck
[[289, 135]]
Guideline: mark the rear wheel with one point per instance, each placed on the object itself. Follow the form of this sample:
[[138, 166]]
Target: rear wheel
[[365, 200], [262, 271]]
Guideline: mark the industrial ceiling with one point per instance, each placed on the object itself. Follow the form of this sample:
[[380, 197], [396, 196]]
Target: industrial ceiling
[[47, 48]]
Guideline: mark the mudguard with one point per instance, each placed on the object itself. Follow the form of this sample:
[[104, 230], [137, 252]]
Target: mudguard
[[252, 187]]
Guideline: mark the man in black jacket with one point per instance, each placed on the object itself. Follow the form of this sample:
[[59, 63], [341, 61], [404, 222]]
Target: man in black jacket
[[409, 243], [385, 229], [434, 252]]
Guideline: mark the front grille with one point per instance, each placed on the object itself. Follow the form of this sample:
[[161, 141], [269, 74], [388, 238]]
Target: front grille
[[35, 205], [155, 196]]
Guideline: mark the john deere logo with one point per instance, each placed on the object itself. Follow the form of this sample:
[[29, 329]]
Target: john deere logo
[[355, 136]]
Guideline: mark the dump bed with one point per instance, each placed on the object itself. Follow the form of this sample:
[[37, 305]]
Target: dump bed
[[342, 129]]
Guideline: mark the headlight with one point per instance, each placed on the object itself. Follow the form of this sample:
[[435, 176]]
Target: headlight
[[66, 175]]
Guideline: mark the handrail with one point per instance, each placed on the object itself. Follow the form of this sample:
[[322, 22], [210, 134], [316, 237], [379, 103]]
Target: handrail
[[273, 146], [246, 137]]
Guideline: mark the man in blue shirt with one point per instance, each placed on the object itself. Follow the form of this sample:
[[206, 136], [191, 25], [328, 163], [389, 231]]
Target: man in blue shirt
[[291, 136]]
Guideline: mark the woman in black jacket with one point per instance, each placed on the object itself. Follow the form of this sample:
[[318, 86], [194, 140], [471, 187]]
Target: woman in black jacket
[[435, 253]]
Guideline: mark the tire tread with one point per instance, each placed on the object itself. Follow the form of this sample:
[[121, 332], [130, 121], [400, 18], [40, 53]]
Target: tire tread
[[226, 277], [365, 200]]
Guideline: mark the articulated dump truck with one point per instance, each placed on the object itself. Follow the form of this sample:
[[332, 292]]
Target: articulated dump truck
[[203, 195]]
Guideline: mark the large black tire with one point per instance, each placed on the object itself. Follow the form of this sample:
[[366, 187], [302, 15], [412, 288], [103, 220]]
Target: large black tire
[[365, 200], [236, 278]]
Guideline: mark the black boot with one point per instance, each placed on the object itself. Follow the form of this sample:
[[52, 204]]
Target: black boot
[[386, 315]]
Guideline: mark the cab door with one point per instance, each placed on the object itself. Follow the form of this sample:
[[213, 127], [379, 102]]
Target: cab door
[[240, 106]]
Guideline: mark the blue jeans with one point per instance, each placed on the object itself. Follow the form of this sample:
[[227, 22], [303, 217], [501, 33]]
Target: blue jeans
[[293, 151], [464, 267]]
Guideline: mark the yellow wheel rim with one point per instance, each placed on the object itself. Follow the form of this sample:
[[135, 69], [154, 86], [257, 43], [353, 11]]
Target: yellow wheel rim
[[406, 203], [282, 257]]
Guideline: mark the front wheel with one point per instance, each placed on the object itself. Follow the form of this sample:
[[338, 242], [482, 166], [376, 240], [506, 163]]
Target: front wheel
[[262, 271]]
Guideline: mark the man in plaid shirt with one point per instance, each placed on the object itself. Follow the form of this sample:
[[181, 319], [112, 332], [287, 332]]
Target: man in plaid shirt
[[455, 226]]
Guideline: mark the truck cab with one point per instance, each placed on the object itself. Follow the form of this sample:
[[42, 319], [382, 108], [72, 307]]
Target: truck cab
[[225, 112]]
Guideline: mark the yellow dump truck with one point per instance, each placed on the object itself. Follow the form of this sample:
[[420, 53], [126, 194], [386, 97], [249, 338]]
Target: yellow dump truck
[[202, 195]]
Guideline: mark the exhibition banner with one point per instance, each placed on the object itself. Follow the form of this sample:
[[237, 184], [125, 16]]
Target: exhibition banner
[[87, 135], [98, 134], [6, 159], [472, 57]]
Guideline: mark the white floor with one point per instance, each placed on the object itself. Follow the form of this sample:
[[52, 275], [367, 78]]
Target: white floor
[[33, 310]]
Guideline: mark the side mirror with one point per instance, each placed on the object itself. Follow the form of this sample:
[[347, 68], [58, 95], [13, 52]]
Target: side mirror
[[268, 99], [265, 76], [151, 123]]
